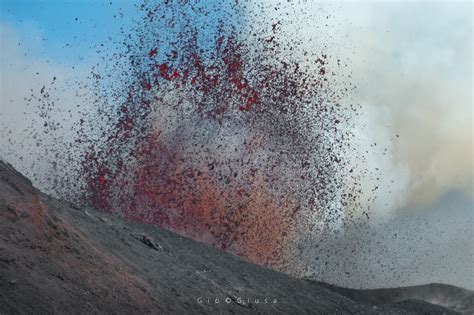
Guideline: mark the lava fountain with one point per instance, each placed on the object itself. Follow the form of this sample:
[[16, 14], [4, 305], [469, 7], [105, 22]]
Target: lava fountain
[[225, 131]]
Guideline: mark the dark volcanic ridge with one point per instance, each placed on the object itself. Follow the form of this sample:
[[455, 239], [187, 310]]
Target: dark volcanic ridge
[[58, 258]]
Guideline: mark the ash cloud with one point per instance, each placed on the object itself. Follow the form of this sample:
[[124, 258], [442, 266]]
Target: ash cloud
[[412, 64]]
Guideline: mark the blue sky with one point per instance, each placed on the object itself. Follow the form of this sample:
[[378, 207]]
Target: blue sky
[[65, 31]]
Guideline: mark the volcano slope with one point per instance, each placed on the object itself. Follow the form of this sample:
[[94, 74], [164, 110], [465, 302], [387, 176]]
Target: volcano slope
[[57, 258]]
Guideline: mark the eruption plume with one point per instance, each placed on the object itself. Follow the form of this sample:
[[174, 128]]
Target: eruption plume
[[217, 128]]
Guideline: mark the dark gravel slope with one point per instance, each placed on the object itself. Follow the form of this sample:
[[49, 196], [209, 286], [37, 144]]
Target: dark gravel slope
[[454, 298], [57, 258]]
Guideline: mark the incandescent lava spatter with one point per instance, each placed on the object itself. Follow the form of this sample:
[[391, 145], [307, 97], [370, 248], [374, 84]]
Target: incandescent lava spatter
[[218, 128]]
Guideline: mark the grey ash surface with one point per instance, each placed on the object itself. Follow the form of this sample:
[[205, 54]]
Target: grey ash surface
[[57, 258]]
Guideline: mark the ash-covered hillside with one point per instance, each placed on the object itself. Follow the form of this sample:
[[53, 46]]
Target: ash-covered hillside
[[58, 259]]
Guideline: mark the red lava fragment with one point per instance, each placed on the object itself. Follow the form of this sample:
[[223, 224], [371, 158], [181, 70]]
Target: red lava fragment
[[153, 52], [101, 179]]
